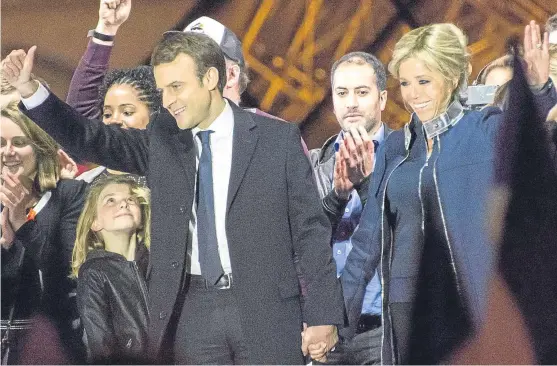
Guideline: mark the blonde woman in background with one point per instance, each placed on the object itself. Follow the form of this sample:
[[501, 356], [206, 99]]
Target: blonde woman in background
[[110, 260], [423, 224]]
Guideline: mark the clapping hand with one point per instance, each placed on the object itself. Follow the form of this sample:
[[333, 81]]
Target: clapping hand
[[8, 233], [68, 167], [16, 194], [358, 153]]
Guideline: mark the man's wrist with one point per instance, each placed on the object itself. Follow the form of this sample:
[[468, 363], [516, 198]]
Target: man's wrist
[[344, 195], [28, 89]]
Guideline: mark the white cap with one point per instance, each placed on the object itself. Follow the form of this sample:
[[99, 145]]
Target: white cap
[[225, 38]]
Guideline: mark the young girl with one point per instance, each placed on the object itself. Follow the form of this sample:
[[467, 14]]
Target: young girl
[[109, 260]]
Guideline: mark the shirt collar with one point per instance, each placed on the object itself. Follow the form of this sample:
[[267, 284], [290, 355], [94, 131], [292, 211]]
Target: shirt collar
[[223, 125], [380, 134]]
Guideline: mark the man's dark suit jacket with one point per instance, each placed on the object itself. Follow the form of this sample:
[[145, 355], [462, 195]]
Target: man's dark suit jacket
[[273, 211]]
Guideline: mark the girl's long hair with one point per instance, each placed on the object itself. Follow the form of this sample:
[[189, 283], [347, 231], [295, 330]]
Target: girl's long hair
[[86, 239]]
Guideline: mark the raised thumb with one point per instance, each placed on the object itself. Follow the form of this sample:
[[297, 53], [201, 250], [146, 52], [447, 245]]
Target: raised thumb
[[29, 60]]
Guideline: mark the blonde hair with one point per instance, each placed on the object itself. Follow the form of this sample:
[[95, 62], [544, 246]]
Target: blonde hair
[[44, 148], [443, 49], [87, 240]]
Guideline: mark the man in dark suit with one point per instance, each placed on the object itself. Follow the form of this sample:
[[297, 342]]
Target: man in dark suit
[[343, 169], [233, 198]]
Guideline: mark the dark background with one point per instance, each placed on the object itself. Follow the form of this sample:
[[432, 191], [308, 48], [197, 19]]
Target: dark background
[[290, 45]]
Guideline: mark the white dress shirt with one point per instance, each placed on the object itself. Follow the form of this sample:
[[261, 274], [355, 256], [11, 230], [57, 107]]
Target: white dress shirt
[[221, 153]]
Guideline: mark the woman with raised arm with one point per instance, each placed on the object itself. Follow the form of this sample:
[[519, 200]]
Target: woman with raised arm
[[123, 97], [424, 223]]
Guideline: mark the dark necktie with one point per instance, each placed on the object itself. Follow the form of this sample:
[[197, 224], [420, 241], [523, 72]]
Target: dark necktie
[[209, 259], [375, 145]]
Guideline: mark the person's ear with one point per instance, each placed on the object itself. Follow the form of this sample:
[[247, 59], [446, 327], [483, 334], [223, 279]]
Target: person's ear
[[211, 78], [96, 226], [232, 76], [383, 99]]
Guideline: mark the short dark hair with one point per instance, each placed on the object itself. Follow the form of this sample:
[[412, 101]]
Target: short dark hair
[[140, 78], [551, 24], [204, 51], [367, 58]]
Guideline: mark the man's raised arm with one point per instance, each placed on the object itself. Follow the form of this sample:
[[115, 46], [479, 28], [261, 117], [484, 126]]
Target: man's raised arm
[[89, 140]]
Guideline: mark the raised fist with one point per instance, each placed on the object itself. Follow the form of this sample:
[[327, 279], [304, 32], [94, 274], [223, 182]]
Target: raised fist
[[112, 14]]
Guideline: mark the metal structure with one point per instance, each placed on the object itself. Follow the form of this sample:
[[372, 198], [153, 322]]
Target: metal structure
[[289, 45]]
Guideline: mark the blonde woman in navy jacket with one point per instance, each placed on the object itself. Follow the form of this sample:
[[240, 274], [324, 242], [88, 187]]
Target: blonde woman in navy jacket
[[429, 198]]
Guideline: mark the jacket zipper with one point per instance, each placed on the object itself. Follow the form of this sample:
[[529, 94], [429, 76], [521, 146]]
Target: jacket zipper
[[428, 155], [453, 264], [142, 287], [390, 260]]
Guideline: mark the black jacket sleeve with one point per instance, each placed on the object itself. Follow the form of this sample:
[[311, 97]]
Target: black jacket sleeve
[[334, 207], [91, 140], [311, 235]]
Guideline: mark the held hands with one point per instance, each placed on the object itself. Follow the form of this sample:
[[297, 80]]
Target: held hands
[[536, 54], [112, 14], [354, 160], [318, 340], [16, 69]]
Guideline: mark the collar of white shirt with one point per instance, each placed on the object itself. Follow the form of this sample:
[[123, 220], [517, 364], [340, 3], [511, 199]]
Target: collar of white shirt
[[380, 134], [222, 126]]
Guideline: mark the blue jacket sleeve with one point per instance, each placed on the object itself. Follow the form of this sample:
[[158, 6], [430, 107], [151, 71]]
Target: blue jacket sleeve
[[366, 241]]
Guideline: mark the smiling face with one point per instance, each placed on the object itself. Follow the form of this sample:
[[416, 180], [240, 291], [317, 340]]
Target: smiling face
[[123, 107], [356, 99], [423, 90], [18, 156], [117, 210], [186, 97]]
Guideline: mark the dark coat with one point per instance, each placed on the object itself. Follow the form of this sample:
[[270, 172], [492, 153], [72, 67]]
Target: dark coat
[[273, 211], [48, 242], [113, 306], [464, 174]]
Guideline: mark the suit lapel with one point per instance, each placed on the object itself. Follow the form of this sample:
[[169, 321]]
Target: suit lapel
[[183, 146], [243, 146]]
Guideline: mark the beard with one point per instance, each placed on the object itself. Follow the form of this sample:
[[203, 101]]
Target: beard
[[370, 124]]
